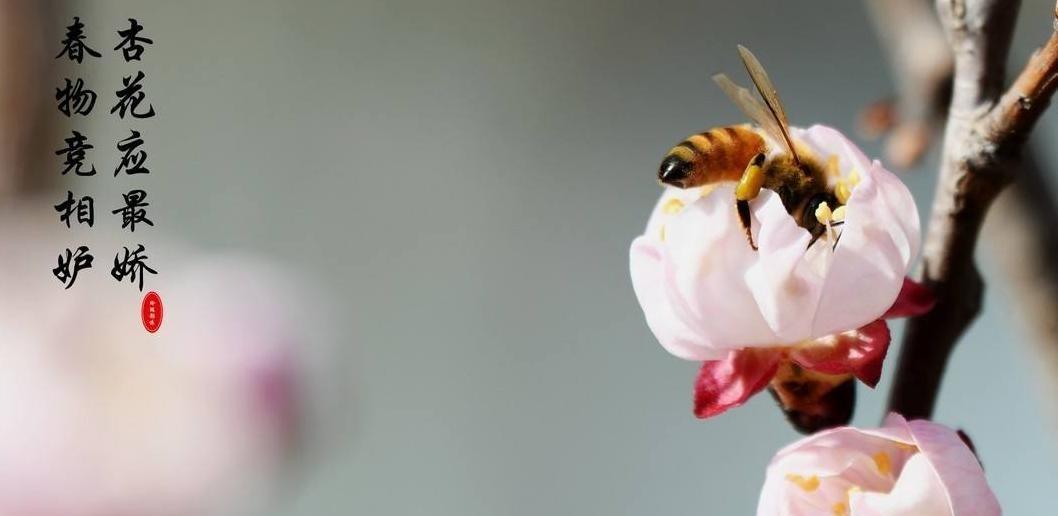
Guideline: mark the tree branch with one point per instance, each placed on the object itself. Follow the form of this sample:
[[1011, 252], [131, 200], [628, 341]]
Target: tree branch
[[984, 136]]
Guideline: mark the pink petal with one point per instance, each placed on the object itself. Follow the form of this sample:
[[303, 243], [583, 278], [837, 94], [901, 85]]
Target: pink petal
[[785, 285], [859, 352], [914, 299], [728, 383], [690, 285], [956, 465], [917, 492], [677, 331], [878, 240]]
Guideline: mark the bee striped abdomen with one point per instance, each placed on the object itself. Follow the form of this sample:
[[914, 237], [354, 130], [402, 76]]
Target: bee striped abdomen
[[719, 154]]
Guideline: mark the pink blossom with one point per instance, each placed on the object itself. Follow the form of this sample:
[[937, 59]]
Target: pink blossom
[[705, 292], [904, 468], [708, 296], [99, 417]]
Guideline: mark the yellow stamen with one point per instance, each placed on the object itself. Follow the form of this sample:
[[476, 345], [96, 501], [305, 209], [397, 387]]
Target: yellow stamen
[[823, 213], [672, 206], [881, 461], [842, 192], [807, 484], [841, 509], [839, 214], [833, 168], [844, 186]]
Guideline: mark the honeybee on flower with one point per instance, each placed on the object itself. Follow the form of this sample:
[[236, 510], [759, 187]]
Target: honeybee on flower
[[780, 310]]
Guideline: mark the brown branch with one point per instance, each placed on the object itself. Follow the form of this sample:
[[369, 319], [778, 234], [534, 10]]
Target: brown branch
[[983, 139], [1021, 229]]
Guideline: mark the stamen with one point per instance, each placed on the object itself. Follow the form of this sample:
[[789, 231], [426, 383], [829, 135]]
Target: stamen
[[833, 167], [844, 186], [839, 214], [807, 484], [881, 461], [823, 213], [672, 207]]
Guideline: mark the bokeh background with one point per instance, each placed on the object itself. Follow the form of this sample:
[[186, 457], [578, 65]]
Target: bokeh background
[[458, 183]]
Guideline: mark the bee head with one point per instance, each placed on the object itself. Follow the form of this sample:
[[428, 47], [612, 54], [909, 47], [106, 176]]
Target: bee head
[[674, 171], [808, 215]]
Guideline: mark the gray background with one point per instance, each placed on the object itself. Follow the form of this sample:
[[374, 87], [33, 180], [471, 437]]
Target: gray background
[[463, 179]]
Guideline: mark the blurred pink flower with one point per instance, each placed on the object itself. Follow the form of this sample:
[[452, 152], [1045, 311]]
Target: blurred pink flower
[[904, 468], [708, 296], [100, 418]]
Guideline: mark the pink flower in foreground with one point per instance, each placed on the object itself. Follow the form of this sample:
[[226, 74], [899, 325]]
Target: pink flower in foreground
[[904, 468], [100, 418], [707, 295]]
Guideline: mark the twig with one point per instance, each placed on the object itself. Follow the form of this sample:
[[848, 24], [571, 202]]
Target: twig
[[984, 136]]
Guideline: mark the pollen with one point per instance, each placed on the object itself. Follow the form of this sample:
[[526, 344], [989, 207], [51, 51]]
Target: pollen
[[807, 484], [823, 213], [839, 214], [672, 206], [844, 186], [881, 461], [841, 509], [833, 167]]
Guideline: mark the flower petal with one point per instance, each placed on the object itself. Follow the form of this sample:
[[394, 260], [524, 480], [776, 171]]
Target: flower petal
[[728, 383], [878, 240], [860, 352], [957, 467], [691, 284], [784, 284], [677, 332], [917, 492], [914, 299]]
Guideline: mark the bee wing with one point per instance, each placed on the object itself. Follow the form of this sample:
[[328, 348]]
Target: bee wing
[[752, 107], [768, 93]]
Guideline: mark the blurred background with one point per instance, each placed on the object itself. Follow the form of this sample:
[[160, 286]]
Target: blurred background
[[437, 200]]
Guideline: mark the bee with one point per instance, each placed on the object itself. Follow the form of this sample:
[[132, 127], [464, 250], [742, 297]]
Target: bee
[[813, 401], [755, 157]]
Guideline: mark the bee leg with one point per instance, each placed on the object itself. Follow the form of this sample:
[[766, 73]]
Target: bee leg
[[813, 240], [748, 188], [838, 237], [817, 235], [743, 216]]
